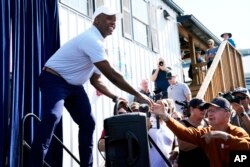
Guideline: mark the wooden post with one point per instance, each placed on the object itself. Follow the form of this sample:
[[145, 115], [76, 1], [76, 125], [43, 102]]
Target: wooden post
[[193, 60]]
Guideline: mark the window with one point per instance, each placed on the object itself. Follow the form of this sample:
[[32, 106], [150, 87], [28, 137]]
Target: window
[[127, 25], [137, 25], [82, 6], [140, 32], [153, 23], [85, 7]]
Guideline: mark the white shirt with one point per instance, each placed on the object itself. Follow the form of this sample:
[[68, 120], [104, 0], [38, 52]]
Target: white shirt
[[164, 138], [74, 60]]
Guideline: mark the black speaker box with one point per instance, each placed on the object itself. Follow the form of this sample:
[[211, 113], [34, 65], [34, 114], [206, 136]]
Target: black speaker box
[[126, 141]]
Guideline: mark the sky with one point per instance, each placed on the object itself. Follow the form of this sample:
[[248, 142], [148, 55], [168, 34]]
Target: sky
[[221, 16]]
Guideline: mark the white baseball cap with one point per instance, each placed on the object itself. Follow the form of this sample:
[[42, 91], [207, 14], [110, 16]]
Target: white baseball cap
[[107, 11]]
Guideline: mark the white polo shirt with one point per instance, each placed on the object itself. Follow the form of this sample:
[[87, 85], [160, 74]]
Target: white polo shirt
[[178, 92], [74, 60]]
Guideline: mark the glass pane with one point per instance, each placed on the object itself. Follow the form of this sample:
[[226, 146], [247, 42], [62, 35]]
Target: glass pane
[[126, 4], [141, 14], [127, 24], [78, 5], [140, 32]]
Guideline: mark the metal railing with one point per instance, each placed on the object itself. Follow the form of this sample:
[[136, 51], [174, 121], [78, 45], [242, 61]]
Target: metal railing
[[25, 144]]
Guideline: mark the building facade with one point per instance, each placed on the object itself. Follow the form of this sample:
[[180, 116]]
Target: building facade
[[140, 38]]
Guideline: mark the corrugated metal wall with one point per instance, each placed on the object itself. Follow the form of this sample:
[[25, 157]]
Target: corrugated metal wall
[[133, 60]]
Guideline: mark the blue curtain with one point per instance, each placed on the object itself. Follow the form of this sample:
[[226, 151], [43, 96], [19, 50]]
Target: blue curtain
[[33, 26], [5, 78]]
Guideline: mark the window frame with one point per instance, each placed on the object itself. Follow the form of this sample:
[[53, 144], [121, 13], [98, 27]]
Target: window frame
[[128, 29], [91, 5]]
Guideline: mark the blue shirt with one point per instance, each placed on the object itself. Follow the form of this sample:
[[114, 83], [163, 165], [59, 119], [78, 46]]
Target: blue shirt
[[212, 52], [161, 83], [231, 42]]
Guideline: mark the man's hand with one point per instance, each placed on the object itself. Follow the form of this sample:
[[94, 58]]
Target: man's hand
[[238, 108], [215, 135], [123, 103], [143, 97], [160, 109]]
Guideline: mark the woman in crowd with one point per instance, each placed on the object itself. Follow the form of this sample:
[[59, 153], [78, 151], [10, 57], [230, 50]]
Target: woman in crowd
[[190, 154]]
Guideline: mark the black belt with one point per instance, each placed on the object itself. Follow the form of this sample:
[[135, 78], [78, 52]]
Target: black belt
[[47, 69]]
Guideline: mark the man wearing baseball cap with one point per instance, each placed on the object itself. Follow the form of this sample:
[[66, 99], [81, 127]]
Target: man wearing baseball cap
[[219, 139], [107, 11], [242, 110], [178, 91], [243, 94], [81, 59]]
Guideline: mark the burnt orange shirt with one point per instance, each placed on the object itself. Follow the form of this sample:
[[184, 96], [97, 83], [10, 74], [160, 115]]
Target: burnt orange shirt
[[218, 150]]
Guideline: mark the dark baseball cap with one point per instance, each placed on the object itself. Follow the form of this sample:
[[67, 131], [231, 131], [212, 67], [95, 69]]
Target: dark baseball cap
[[196, 103], [170, 74], [241, 90], [219, 102]]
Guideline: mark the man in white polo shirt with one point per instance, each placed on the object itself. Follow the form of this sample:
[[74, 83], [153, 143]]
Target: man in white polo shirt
[[61, 82], [178, 91]]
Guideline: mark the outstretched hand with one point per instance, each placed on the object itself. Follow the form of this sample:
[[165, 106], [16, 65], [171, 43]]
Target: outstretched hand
[[159, 109], [215, 135], [123, 103], [148, 100]]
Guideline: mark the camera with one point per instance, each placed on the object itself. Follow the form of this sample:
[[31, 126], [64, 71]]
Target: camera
[[161, 63], [230, 97], [144, 108], [185, 107]]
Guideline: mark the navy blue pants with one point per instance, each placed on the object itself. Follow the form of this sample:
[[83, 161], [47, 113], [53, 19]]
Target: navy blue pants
[[57, 93]]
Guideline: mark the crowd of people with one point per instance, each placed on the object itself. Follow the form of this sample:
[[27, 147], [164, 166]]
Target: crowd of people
[[203, 135], [210, 52], [195, 133]]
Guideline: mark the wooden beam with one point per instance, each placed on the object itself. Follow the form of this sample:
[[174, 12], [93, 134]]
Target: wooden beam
[[186, 34], [210, 73], [222, 75], [230, 57]]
